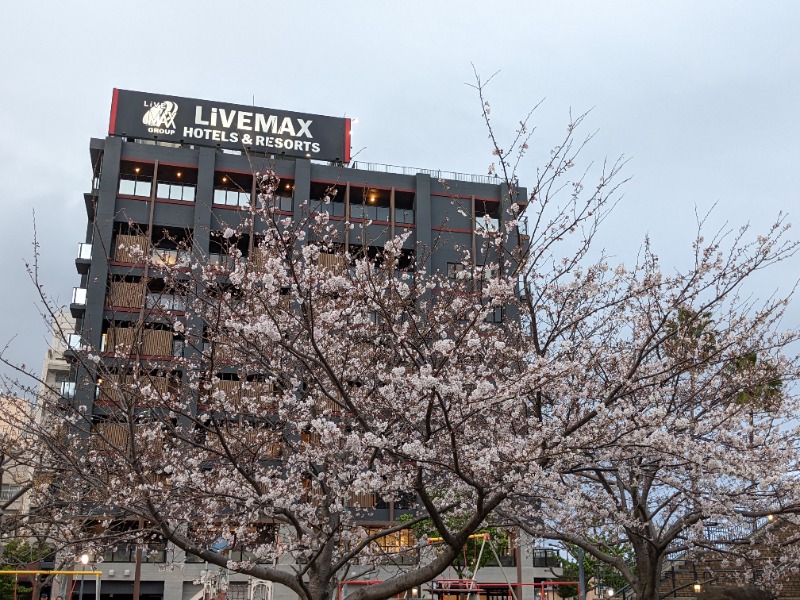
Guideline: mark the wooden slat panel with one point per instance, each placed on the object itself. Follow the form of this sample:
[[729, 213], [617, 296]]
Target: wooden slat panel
[[111, 437], [154, 342], [326, 405], [332, 261], [127, 388], [121, 339], [362, 500], [126, 295], [131, 248], [157, 343]]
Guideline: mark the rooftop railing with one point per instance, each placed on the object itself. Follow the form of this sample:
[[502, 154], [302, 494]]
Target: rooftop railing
[[434, 173]]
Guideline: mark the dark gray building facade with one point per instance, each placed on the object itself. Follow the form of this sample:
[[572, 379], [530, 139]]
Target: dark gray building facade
[[167, 195]]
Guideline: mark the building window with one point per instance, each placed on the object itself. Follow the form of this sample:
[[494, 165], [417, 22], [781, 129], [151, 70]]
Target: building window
[[399, 546], [232, 189], [336, 195], [176, 183], [135, 179], [495, 315], [403, 207], [457, 271], [370, 204], [9, 491], [487, 216]]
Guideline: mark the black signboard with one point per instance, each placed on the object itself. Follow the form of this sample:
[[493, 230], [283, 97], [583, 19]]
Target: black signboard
[[144, 115]]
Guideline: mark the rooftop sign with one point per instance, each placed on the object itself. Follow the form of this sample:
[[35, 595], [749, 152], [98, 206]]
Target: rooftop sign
[[204, 123]]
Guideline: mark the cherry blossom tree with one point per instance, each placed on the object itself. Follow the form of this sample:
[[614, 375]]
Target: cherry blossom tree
[[662, 408], [617, 403], [672, 423]]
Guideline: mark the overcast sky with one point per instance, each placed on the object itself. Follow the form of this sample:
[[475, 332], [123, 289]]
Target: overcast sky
[[703, 96]]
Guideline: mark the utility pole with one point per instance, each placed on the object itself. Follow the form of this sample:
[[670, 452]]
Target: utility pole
[[581, 575]]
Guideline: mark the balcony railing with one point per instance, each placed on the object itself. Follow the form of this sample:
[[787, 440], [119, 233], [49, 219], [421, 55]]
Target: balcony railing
[[135, 186], [74, 341], [78, 296], [67, 390], [283, 203], [168, 190], [403, 215], [545, 558], [483, 224], [126, 553], [165, 302], [84, 251], [366, 211], [231, 197], [8, 491]]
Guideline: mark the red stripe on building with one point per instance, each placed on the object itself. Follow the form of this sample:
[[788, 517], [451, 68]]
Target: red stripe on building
[[347, 141], [112, 122]]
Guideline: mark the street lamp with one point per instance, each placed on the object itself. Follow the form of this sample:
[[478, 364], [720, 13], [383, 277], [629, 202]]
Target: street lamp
[[84, 562], [697, 587]]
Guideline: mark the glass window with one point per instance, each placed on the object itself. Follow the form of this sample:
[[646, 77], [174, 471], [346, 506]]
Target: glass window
[[456, 271], [127, 187], [9, 490], [403, 215], [495, 316], [286, 203], [143, 188]]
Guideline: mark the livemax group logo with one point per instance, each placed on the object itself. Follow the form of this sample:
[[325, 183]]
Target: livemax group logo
[[160, 116]]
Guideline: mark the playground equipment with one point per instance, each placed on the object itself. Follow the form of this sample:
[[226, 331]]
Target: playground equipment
[[471, 589], [46, 572]]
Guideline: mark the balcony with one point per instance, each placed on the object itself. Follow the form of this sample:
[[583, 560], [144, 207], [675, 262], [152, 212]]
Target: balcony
[[74, 344], [84, 258], [77, 305]]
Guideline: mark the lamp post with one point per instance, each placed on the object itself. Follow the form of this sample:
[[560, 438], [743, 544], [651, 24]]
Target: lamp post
[[84, 562]]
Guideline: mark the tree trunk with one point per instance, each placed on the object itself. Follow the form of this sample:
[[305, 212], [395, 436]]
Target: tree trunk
[[648, 570]]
